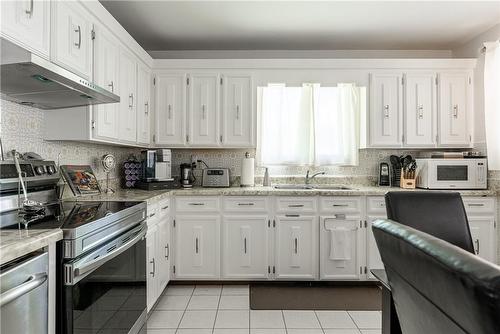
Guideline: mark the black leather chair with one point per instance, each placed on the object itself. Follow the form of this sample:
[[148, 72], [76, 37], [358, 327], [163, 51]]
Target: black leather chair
[[438, 288], [441, 214]]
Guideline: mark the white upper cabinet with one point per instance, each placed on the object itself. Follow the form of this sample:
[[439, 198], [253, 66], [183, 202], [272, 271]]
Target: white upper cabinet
[[128, 97], [143, 104], [385, 110], [170, 122], [420, 109], [237, 111], [454, 99], [71, 37], [245, 247], [27, 23], [106, 75], [203, 110]]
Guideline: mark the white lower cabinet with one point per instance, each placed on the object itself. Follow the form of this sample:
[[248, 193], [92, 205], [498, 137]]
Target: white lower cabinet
[[373, 259], [483, 234], [197, 247], [245, 247], [342, 245], [151, 281], [296, 247]]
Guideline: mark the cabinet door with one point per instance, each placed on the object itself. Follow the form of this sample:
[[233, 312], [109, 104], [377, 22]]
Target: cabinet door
[[128, 97], [385, 110], [204, 110], [373, 260], [163, 253], [296, 247], [420, 110], [483, 237], [71, 37], [143, 104], [237, 116], [27, 23], [453, 110], [151, 268], [341, 249], [170, 109], [245, 247], [106, 69], [197, 247]]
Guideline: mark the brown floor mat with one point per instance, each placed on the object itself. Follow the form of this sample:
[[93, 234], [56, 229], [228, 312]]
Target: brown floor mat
[[293, 296]]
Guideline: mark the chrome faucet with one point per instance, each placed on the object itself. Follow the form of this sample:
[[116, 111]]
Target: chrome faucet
[[309, 178]]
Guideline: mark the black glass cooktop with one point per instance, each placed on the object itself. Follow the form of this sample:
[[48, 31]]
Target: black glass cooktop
[[66, 215]]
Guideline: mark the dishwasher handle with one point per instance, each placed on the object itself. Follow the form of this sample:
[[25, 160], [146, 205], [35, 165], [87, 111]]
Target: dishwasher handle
[[33, 282]]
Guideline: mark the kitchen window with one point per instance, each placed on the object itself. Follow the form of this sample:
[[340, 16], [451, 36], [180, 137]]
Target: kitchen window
[[311, 125]]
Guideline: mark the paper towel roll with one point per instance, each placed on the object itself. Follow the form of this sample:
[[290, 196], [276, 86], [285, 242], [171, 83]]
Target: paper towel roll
[[247, 172]]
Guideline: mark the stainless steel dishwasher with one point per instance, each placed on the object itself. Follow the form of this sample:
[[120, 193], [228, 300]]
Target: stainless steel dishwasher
[[24, 295]]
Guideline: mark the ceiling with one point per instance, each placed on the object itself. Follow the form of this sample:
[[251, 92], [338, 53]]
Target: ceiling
[[303, 25]]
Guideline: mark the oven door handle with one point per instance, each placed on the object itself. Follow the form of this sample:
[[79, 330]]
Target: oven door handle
[[33, 282], [81, 269]]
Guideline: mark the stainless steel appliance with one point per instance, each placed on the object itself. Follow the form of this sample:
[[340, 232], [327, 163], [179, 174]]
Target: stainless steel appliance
[[384, 175], [24, 294], [187, 177], [452, 173], [28, 79], [101, 261], [156, 165], [215, 177]]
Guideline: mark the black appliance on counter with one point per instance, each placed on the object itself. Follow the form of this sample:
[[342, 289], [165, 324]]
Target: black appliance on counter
[[101, 261]]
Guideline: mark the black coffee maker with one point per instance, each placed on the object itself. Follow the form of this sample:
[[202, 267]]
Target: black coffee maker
[[187, 177]]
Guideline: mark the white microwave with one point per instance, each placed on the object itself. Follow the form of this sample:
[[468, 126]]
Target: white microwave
[[452, 173]]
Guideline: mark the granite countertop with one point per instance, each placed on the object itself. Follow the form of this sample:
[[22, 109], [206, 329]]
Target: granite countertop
[[16, 243], [356, 190]]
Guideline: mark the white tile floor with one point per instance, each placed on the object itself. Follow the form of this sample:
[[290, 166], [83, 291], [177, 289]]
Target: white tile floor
[[216, 309]]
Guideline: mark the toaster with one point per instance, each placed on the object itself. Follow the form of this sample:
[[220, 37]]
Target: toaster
[[215, 177]]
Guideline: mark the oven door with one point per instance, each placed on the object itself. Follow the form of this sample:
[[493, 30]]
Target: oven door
[[453, 174], [105, 290]]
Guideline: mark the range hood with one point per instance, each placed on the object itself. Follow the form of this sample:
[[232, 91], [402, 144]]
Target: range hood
[[28, 79]]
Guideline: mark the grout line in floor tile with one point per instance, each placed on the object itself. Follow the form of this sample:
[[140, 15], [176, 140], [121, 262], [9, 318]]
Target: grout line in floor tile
[[319, 322], [185, 309], [284, 321], [355, 323]]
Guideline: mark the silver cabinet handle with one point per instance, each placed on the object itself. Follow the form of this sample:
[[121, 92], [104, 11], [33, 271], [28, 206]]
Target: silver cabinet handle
[[475, 204], [30, 11], [196, 246], [33, 282], [455, 111], [167, 249], [169, 110], [165, 207], [79, 31], [296, 205], [112, 85], [245, 244], [339, 216], [131, 100], [197, 204], [386, 111], [203, 111], [146, 108], [477, 246], [237, 112], [246, 204], [340, 205], [420, 111], [154, 267], [152, 215], [292, 216], [296, 245]]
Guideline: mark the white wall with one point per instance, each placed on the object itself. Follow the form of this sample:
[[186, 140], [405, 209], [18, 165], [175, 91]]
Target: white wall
[[472, 49]]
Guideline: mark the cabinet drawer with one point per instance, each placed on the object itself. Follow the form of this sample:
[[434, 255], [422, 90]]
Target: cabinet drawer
[[296, 204], [164, 207], [375, 204], [347, 204], [479, 204], [153, 214], [197, 204], [245, 204]]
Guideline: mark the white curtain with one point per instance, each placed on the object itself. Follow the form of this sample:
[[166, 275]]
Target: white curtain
[[492, 103], [309, 125]]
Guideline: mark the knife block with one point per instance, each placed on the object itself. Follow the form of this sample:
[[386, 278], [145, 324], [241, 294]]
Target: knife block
[[407, 183]]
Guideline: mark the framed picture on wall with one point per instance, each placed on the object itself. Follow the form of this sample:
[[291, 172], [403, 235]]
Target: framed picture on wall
[[81, 179]]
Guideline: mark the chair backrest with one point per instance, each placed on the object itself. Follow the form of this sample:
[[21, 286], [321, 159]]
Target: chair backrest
[[438, 287], [441, 214]]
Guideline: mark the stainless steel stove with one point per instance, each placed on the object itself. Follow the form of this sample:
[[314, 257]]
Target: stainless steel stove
[[102, 254]]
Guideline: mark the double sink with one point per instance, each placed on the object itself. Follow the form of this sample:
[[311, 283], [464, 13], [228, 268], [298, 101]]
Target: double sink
[[311, 187]]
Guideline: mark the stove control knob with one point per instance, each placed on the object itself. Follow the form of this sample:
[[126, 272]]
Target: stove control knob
[[51, 169], [39, 170]]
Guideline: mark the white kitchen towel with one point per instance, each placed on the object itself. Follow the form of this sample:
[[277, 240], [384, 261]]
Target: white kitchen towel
[[340, 244]]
